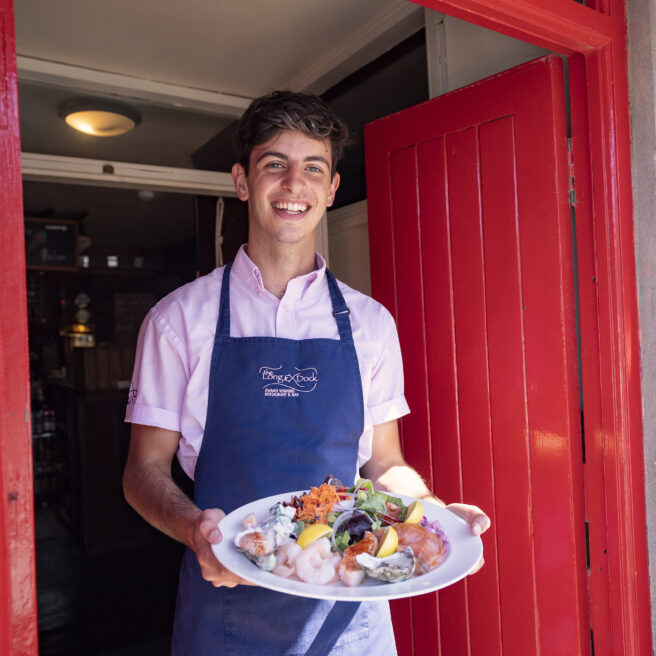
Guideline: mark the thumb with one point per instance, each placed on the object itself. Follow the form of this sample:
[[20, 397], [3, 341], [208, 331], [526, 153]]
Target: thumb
[[209, 525]]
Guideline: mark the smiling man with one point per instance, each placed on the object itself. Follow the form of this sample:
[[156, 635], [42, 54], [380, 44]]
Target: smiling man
[[263, 377]]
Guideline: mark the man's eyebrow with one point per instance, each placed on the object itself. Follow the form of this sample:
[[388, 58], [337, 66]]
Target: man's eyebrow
[[272, 153], [311, 158]]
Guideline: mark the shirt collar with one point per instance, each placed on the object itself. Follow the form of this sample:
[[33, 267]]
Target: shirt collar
[[297, 288]]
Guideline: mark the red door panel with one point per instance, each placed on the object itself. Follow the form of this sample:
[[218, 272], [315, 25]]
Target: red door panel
[[471, 250]]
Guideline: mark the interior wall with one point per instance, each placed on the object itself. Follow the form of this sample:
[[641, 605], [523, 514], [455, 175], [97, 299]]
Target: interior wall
[[641, 18], [474, 53], [348, 239]]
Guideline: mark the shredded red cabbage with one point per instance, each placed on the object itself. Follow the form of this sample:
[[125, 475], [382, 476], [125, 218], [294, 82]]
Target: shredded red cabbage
[[434, 527]]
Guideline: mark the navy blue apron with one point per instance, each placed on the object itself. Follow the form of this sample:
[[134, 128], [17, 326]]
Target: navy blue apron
[[282, 415]]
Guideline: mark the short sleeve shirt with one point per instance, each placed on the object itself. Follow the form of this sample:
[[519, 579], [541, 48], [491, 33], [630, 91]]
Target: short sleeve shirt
[[170, 381]]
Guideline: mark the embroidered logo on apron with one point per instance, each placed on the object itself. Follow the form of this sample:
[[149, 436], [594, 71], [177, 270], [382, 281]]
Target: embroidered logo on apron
[[278, 382]]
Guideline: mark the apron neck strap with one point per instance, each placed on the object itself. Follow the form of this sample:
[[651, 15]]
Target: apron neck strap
[[223, 327], [340, 310]]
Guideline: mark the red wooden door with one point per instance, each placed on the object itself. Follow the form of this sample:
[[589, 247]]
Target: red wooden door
[[471, 243], [18, 635]]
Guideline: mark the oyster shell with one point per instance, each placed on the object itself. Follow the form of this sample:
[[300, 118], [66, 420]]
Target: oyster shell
[[392, 569], [266, 563]]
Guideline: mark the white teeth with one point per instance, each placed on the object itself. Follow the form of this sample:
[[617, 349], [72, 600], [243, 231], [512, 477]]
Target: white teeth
[[291, 207]]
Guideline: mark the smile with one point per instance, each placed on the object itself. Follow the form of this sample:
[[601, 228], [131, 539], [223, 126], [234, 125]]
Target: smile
[[291, 208]]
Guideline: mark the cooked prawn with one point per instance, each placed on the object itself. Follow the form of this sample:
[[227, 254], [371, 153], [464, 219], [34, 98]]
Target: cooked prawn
[[315, 563], [427, 547], [349, 571], [286, 556]]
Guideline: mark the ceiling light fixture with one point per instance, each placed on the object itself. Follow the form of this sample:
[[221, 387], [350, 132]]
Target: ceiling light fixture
[[98, 117]]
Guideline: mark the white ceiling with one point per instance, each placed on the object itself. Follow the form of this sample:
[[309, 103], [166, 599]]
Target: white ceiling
[[234, 48], [240, 47]]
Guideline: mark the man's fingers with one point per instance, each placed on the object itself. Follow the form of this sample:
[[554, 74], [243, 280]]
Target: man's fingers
[[480, 524], [209, 525], [477, 519]]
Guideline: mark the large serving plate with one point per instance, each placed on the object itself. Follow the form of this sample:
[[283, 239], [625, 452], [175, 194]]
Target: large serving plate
[[464, 552]]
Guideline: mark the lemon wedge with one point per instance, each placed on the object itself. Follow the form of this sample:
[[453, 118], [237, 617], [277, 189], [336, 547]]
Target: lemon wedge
[[389, 543], [415, 513], [312, 533]]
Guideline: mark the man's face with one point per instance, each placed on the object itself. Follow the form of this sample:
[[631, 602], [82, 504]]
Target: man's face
[[288, 187]]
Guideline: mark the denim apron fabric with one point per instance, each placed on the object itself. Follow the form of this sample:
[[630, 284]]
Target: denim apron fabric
[[282, 415]]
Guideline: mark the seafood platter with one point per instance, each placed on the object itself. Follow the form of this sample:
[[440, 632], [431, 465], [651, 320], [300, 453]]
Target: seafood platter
[[351, 544]]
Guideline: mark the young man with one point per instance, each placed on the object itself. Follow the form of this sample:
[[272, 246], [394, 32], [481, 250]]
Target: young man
[[202, 389]]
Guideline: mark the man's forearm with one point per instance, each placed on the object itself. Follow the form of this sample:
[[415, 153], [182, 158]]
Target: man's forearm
[[403, 479], [155, 496]]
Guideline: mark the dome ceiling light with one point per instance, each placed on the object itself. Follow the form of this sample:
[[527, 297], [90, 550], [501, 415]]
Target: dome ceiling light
[[99, 118]]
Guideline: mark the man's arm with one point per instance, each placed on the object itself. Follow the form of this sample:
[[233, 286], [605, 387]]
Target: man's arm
[[149, 488], [388, 470]]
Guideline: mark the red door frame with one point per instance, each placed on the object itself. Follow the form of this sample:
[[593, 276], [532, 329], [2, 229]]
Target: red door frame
[[18, 632], [594, 39]]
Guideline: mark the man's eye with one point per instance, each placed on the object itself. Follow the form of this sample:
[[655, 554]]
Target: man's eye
[[315, 169], [274, 165]]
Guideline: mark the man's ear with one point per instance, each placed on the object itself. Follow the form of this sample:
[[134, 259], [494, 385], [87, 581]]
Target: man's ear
[[334, 184], [240, 181]]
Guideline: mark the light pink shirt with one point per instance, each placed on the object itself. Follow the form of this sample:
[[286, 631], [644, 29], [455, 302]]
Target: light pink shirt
[[174, 350]]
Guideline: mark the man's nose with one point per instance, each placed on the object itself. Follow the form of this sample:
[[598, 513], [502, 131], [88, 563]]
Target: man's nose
[[293, 180]]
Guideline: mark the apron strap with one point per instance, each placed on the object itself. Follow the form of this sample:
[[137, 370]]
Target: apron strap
[[340, 309], [223, 325]]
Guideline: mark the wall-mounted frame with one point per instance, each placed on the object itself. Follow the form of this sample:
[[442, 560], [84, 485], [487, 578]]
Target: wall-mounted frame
[[50, 245]]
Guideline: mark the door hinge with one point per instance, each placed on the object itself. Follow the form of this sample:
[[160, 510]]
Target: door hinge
[[571, 189]]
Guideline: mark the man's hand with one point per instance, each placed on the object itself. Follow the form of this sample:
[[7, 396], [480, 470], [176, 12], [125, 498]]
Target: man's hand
[[388, 470], [478, 521], [206, 533], [476, 518]]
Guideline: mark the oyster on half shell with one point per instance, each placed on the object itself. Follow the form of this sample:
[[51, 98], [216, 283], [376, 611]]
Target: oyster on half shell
[[392, 569]]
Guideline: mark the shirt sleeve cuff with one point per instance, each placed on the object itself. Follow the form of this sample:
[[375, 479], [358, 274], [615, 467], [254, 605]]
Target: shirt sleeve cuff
[[389, 410], [143, 414]]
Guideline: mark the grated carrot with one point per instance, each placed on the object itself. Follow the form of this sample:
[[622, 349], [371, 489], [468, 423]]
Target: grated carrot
[[317, 503]]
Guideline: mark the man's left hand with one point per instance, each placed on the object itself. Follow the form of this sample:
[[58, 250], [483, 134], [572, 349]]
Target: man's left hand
[[478, 521], [476, 518]]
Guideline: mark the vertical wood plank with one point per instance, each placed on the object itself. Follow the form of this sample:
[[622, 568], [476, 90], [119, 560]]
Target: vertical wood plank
[[401, 610], [508, 388], [441, 366], [416, 425], [407, 244], [463, 232], [551, 368]]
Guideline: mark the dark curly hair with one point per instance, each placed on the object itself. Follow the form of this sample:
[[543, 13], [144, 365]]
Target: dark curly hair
[[285, 110]]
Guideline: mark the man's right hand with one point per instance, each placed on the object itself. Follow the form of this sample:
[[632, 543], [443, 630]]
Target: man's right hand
[[206, 533]]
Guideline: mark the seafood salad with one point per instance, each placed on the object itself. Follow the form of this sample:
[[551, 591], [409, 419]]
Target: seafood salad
[[335, 534]]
